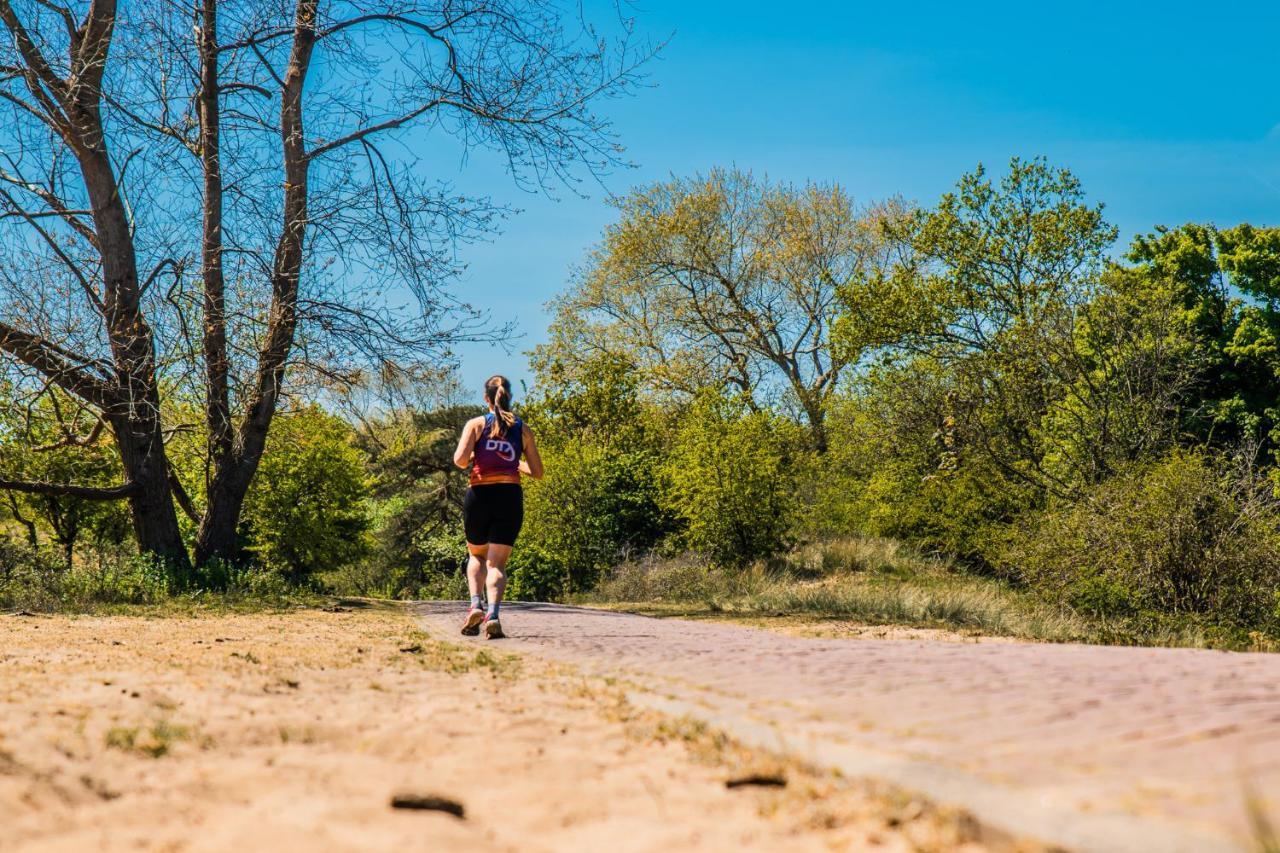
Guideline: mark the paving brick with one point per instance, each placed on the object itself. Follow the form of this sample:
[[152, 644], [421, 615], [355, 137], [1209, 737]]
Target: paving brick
[[1175, 737]]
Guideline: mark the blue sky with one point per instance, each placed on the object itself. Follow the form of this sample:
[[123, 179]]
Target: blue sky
[[1169, 112]]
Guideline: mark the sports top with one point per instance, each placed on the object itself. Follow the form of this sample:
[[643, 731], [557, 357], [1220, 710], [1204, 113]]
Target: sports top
[[497, 460]]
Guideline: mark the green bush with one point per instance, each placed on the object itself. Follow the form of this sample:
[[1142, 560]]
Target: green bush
[[596, 504], [603, 448], [535, 575], [1185, 534], [306, 510], [683, 578], [730, 476], [39, 579], [438, 570]]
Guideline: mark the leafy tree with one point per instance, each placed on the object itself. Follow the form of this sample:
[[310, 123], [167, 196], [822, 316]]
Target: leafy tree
[[54, 440], [601, 497], [1004, 269], [1225, 286], [725, 280], [900, 470], [306, 511], [418, 491]]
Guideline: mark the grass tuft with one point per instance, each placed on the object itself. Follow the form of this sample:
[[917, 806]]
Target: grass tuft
[[454, 658], [155, 742]]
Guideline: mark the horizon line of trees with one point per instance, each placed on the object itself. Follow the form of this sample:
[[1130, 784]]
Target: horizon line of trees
[[741, 365]]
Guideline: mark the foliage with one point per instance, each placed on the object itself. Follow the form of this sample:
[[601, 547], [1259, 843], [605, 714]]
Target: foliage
[[1187, 533], [220, 197], [730, 476], [601, 496], [306, 511], [1224, 284], [725, 280], [1097, 439], [56, 440], [417, 498]]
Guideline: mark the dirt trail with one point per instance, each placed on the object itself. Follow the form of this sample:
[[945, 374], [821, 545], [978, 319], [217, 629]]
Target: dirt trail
[[1096, 748]]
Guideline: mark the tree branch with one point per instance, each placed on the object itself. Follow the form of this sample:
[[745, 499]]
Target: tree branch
[[40, 354], [92, 493]]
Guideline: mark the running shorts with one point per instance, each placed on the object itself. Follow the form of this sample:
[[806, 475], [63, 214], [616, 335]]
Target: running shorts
[[493, 514]]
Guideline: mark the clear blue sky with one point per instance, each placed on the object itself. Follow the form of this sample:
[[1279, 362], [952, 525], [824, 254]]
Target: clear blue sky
[[1169, 112]]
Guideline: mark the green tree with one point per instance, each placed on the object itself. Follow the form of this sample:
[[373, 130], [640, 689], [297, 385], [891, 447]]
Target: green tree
[[416, 500], [600, 499], [1225, 284], [726, 280], [54, 440], [997, 277], [307, 509]]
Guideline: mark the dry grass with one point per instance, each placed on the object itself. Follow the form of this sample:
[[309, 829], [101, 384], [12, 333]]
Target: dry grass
[[880, 582]]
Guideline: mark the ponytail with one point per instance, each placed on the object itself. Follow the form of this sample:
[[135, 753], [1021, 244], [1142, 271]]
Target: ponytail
[[498, 392]]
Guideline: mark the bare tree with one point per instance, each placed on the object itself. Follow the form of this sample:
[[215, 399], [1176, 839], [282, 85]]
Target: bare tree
[[198, 200]]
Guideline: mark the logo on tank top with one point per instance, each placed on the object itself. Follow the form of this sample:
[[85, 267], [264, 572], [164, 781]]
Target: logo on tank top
[[501, 447]]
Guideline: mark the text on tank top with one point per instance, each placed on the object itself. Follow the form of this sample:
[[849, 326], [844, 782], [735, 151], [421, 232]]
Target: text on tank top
[[497, 458]]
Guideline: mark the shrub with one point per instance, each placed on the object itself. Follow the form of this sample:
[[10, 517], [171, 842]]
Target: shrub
[[306, 509], [681, 579], [38, 579], [1185, 534], [438, 570], [730, 475], [597, 503], [535, 575]]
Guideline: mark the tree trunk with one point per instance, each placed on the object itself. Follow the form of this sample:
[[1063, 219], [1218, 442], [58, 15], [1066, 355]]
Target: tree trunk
[[217, 537], [155, 523], [217, 392], [135, 416], [815, 413]]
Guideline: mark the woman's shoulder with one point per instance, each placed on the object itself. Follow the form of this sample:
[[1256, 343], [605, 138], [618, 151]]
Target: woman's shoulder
[[476, 422]]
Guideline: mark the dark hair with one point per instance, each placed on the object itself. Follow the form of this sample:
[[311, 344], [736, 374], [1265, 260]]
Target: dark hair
[[497, 390]]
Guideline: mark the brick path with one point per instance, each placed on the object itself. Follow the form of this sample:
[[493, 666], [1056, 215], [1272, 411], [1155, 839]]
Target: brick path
[[1094, 748]]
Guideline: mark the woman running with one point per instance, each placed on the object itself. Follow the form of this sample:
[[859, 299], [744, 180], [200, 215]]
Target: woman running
[[493, 510]]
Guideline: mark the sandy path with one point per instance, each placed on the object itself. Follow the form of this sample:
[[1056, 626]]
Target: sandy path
[[1092, 747], [293, 731]]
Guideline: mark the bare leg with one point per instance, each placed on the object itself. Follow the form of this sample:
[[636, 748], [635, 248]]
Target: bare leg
[[475, 583], [476, 575], [496, 564]]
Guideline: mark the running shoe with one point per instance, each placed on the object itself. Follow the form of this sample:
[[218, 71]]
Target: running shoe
[[493, 630], [471, 628]]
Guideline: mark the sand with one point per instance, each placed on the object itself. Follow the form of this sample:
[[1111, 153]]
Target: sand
[[294, 731]]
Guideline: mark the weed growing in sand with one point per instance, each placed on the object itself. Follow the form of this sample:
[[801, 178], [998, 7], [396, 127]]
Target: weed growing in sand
[[456, 659], [305, 735], [154, 742]]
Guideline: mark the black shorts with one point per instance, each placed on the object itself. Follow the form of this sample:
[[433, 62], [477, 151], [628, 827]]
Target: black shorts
[[493, 514]]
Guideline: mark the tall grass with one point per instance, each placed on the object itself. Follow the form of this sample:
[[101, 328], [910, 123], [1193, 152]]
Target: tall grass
[[881, 582], [117, 581]]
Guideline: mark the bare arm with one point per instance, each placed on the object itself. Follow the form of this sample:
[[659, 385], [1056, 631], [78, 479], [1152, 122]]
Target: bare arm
[[532, 462], [467, 443]]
